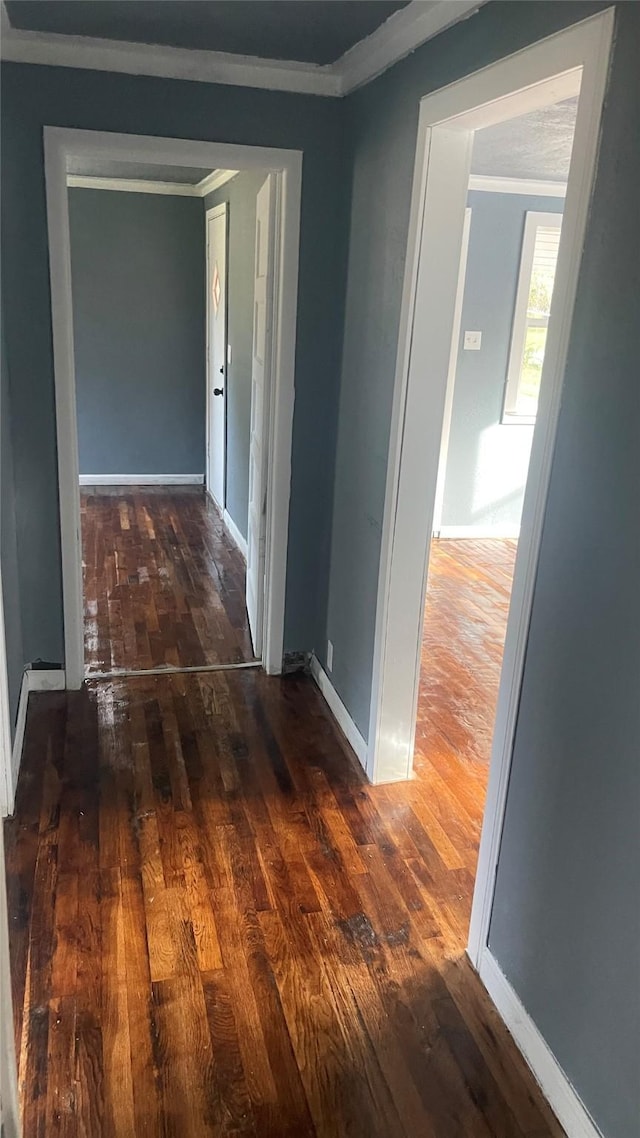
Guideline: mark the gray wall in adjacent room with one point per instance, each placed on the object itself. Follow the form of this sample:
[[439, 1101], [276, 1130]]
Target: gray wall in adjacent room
[[566, 923], [8, 544], [488, 460], [33, 96], [240, 194], [137, 266]]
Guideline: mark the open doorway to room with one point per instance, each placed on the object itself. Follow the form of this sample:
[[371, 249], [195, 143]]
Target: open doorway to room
[[511, 238], [163, 577], [163, 366], [492, 243], [179, 278]]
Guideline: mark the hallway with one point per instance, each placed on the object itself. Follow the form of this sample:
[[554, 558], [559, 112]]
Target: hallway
[[215, 926], [223, 929], [163, 581], [218, 926]]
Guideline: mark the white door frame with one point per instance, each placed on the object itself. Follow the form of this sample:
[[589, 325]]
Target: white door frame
[[210, 214], [61, 144], [544, 72], [451, 375]]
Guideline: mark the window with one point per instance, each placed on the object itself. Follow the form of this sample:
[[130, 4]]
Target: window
[[531, 316]]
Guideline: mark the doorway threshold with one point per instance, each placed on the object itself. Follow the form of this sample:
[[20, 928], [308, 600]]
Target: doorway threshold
[[170, 670]]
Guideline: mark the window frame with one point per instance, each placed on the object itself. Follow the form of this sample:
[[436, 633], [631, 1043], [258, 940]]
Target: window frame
[[534, 220]]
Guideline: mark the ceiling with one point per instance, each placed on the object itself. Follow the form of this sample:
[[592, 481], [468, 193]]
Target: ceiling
[[94, 168], [312, 47], [310, 31], [536, 145]]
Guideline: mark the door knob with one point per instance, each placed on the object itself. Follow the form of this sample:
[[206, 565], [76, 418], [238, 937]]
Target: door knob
[[218, 391]]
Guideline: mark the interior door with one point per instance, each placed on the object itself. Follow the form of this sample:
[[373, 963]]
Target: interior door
[[216, 352], [260, 387]]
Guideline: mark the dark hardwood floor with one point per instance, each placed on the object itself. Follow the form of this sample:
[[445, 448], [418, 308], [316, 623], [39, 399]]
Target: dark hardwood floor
[[163, 581], [218, 927]]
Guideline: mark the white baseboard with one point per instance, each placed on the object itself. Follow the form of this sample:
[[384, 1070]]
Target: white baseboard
[[339, 711], [46, 679], [33, 679], [141, 479], [478, 532], [560, 1094], [240, 541], [18, 738]]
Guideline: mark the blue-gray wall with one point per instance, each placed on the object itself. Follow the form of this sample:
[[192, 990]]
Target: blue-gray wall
[[8, 543], [137, 265], [488, 460], [566, 924], [566, 920], [35, 96], [240, 195]]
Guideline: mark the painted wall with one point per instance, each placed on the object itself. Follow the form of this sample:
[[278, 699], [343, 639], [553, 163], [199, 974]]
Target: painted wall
[[566, 918], [8, 544], [565, 930], [34, 96], [240, 195], [137, 265], [487, 460]]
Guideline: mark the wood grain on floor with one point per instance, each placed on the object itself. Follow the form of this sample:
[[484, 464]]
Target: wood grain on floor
[[465, 622], [218, 927], [164, 582]]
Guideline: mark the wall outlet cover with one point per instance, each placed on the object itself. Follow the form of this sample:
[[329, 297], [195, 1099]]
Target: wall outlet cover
[[472, 341], [329, 655]]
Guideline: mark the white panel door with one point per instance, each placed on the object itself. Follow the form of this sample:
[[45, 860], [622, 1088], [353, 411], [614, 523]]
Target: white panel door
[[216, 351], [260, 387]]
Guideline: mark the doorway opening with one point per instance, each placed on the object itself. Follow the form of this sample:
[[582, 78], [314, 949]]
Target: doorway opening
[[479, 375], [163, 373], [511, 240], [157, 473]]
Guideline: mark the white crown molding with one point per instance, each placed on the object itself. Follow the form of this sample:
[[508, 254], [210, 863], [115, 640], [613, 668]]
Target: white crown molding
[[214, 181], [95, 54], [401, 34], [146, 186], [531, 186], [132, 185], [393, 40]]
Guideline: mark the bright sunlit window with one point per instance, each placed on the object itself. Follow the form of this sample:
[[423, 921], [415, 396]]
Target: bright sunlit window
[[531, 316]]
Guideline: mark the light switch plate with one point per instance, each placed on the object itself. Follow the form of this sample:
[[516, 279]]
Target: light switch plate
[[472, 341], [329, 655]]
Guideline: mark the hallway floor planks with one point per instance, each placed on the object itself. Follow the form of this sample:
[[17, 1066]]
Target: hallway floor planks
[[163, 581], [219, 928]]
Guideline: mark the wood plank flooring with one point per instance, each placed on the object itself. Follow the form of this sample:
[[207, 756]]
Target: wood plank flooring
[[465, 622], [219, 928], [163, 581]]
